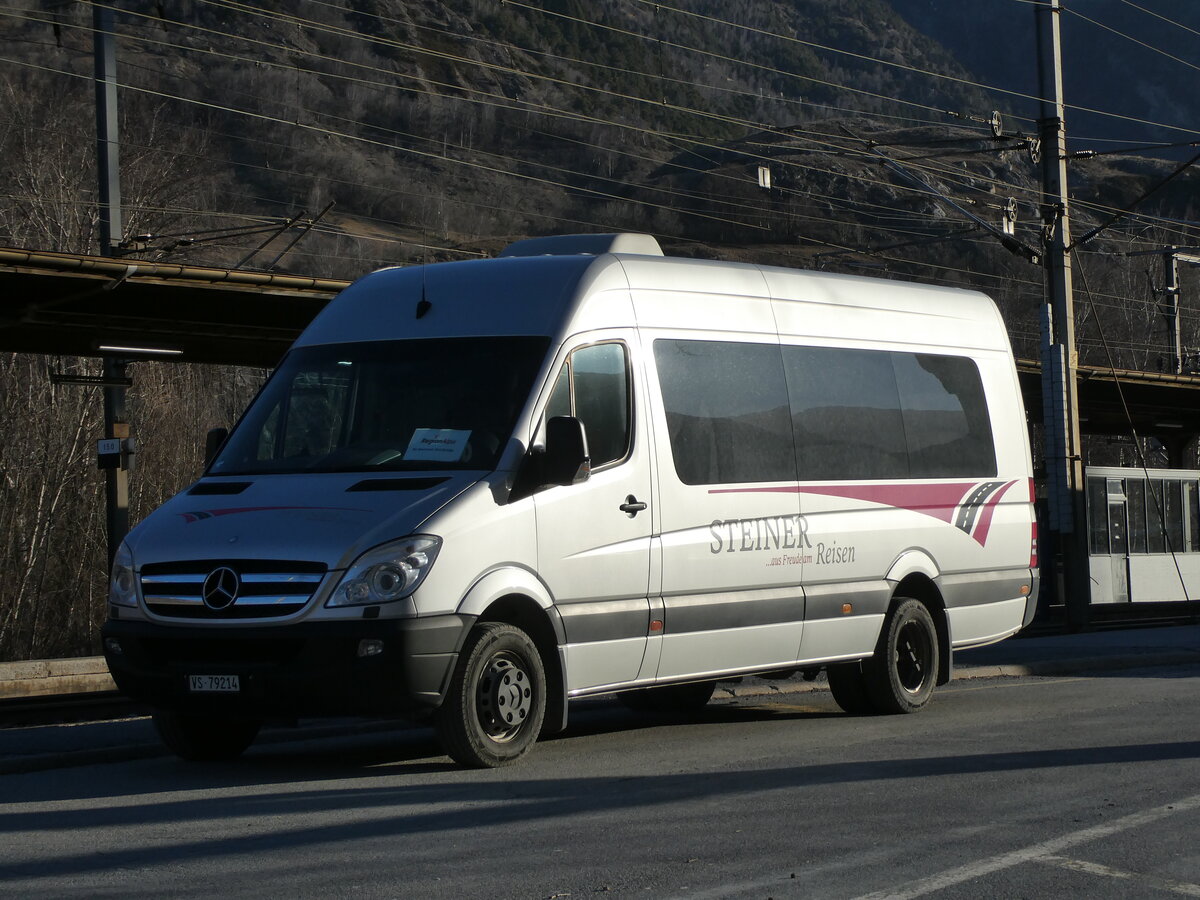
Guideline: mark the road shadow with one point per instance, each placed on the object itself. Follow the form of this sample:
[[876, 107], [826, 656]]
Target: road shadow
[[397, 782], [1150, 670]]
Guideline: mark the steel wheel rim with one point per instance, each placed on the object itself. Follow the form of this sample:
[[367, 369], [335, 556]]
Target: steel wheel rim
[[503, 697], [914, 657]]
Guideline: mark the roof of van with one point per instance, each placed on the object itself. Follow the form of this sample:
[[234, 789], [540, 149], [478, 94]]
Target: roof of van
[[545, 294], [511, 296]]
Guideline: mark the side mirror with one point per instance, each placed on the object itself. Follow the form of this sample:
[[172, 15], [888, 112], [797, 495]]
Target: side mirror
[[212, 444], [566, 460]]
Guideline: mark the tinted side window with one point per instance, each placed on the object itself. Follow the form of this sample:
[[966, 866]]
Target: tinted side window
[[601, 387], [946, 420], [727, 411], [560, 397], [593, 386], [845, 414], [860, 414]]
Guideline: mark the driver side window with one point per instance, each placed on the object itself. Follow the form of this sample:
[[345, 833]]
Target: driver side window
[[593, 386]]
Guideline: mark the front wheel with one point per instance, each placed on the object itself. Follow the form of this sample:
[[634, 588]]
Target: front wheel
[[203, 738], [901, 675], [493, 710], [849, 688]]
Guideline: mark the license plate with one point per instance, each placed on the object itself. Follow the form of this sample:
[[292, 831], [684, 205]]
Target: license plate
[[214, 684]]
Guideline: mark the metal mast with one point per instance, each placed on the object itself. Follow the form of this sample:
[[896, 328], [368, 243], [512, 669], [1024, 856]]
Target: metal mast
[[107, 131], [1064, 456], [116, 418]]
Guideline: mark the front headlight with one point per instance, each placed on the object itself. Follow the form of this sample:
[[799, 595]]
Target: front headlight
[[388, 572], [122, 586]]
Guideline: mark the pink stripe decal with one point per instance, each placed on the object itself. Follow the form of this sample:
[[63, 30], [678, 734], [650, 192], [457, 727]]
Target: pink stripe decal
[[784, 489], [937, 500]]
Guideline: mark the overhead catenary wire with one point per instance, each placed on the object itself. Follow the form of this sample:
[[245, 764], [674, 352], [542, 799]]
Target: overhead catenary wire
[[655, 102], [241, 111], [327, 4], [897, 100], [657, 4], [1163, 18], [1077, 14], [380, 84], [817, 219], [380, 143], [658, 75], [924, 107], [875, 114]]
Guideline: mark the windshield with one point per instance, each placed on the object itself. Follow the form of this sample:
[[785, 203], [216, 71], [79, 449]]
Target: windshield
[[386, 406]]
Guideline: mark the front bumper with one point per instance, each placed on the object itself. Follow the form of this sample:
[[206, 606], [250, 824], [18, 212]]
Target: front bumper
[[306, 669]]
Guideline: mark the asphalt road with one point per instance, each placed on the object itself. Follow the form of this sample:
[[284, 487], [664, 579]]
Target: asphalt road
[[1005, 787]]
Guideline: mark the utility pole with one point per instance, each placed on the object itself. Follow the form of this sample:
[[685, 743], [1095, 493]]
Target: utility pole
[[1172, 292], [1171, 313], [108, 138], [1063, 451], [1171, 260], [108, 142]]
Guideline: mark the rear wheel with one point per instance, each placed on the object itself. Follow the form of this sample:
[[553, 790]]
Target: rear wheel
[[670, 698], [493, 711], [200, 737], [900, 677]]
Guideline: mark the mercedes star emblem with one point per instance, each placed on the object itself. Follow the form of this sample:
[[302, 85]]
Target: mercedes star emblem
[[220, 588]]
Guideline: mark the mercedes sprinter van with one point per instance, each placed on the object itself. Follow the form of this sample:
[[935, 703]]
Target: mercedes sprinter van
[[473, 491]]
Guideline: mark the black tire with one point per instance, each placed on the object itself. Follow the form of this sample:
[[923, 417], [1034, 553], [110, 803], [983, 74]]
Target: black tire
[[202, 738], [677, 698], [849, 688], [493, 710], [900, 677]]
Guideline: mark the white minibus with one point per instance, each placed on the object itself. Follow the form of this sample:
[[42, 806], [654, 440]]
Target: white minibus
[[473, 491]]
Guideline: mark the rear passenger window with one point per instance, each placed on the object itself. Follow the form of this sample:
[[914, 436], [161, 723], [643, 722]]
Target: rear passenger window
[[946, 420], [872, 414], [727, 411]]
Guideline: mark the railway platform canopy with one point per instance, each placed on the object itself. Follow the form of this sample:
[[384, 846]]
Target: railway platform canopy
[[1119, 402], [75, 305]]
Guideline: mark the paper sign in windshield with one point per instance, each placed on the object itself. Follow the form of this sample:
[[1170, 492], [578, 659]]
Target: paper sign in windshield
[[444, 444]]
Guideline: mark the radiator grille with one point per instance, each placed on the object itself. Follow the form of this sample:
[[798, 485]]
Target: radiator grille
[[229, 589]]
